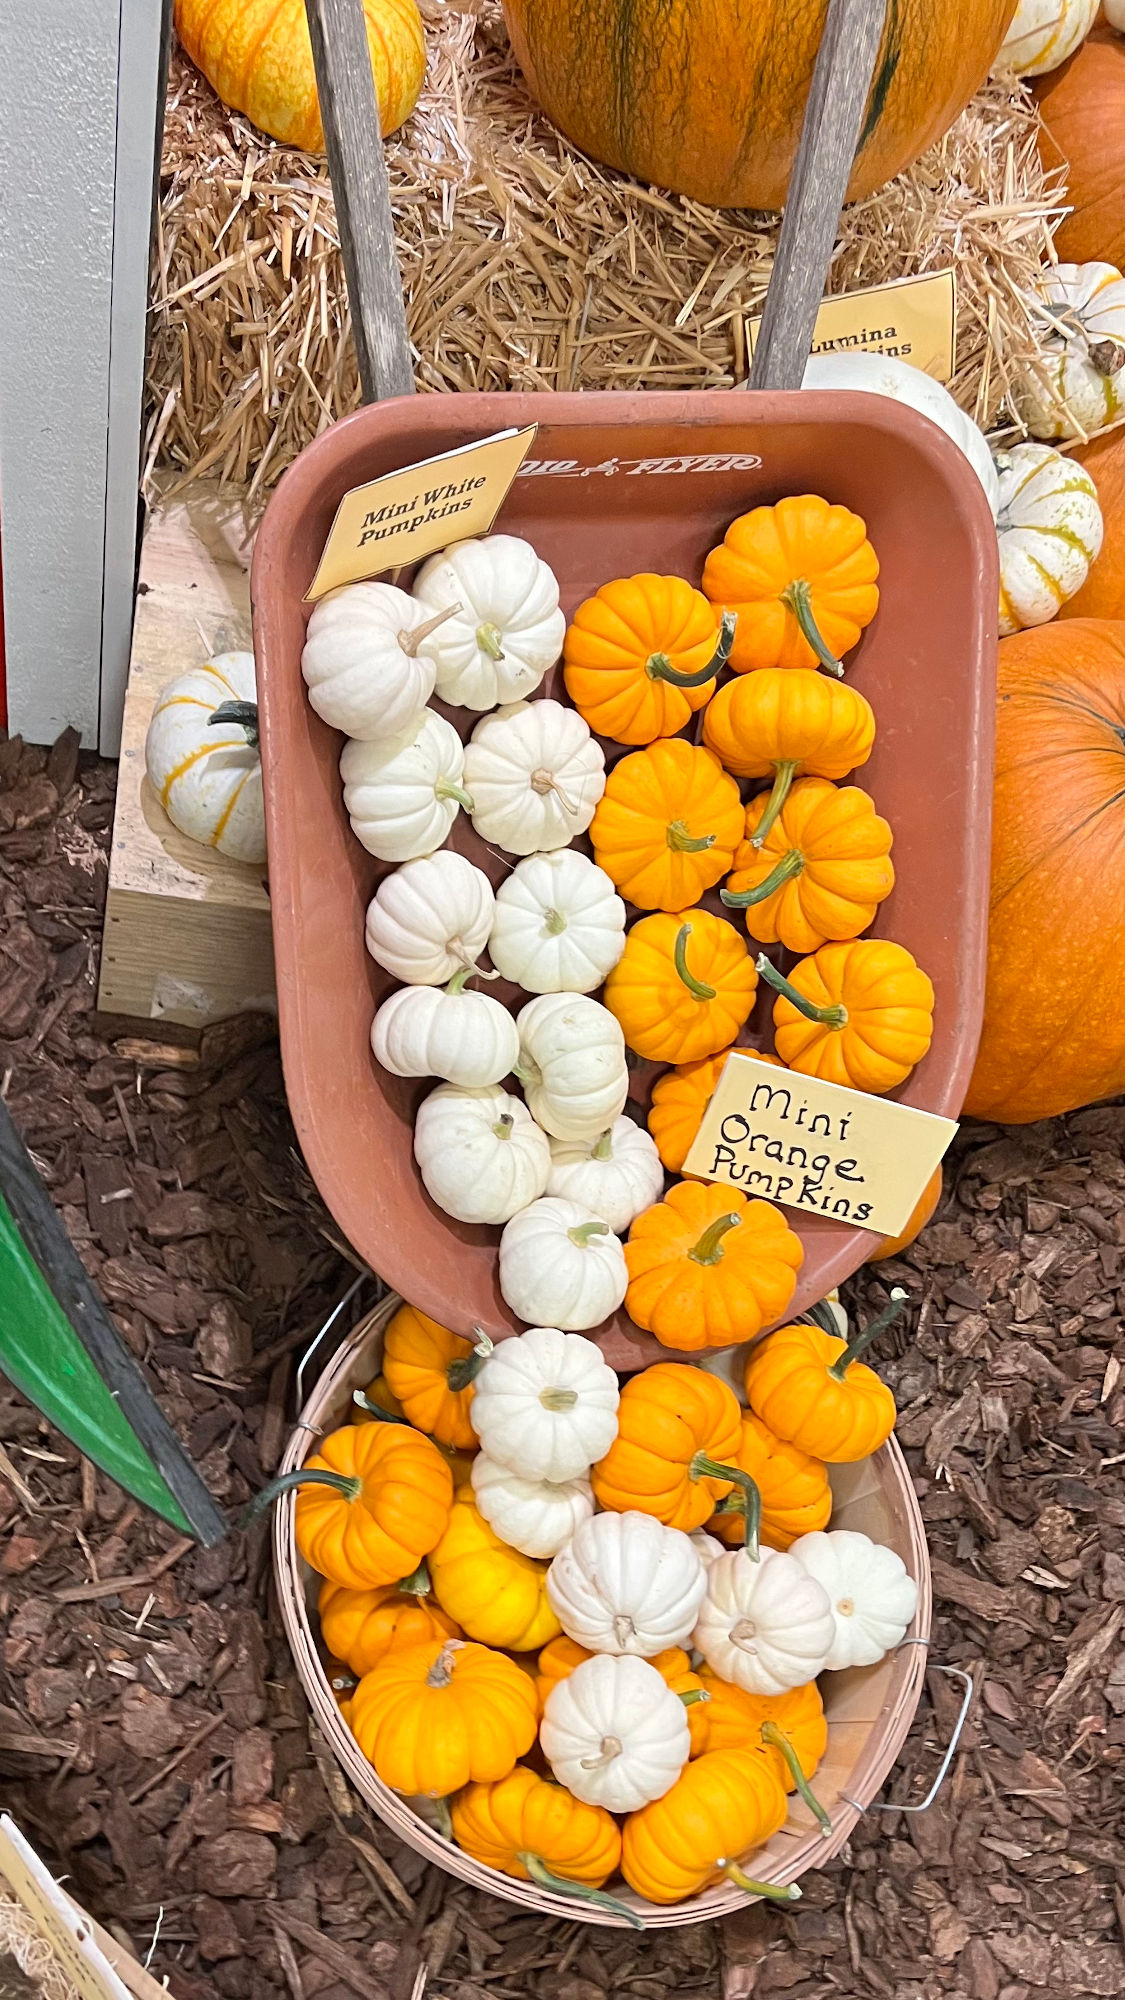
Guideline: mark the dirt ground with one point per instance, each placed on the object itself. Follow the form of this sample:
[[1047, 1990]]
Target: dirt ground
[[154, 1741]]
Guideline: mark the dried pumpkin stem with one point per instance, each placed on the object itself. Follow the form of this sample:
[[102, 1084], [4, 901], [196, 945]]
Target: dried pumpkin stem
[[490, 640], [778, 1740], [581, 1233], [741, 899], [502, 1129], [750, 1502], [409, 641], [784, 771], [682, 842], [242, 713], [441, 1672], [695, 987], [562, 1886], [835, 1016], [343, 1483], [363, 1401], [544, 781], [609, 1748], [446, 789], [775, 1891], [797, 598], [417, 1584], [861, 1341], [603, 1147], [456, 949], [459, 1374]]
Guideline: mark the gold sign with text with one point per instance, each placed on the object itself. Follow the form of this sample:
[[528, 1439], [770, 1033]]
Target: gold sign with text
[[408, 514], [914, 319], [817, 1147]]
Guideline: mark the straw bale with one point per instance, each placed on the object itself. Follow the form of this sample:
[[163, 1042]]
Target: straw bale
[[526, 266]]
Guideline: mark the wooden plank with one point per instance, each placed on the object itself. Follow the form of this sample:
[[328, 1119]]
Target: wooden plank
[[839, 91], [354, 142]]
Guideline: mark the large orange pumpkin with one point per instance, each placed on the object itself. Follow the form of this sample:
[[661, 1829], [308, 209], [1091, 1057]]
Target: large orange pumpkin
[[1054, 1025], [1103, 593], [709, 99], [1083, 107]]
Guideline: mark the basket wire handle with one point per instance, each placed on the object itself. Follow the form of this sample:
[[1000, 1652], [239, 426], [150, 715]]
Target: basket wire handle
[[322, 1333], [955, 1673]]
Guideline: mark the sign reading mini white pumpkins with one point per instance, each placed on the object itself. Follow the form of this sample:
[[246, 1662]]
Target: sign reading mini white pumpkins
[[816, 1146]]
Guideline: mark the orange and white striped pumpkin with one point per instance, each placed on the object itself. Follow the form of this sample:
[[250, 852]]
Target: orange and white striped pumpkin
[[1050, 530], [1079, 384], [208, 776], [1043, 33]]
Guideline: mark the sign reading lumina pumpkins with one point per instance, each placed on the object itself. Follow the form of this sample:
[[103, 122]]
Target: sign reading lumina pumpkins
[[913, 319], [817, 1146]]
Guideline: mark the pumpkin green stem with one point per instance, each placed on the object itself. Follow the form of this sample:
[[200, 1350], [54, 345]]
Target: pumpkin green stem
[[489, 638], [659, 667], [778, 1740], [457, 983], [554, 923], [749, 1503], [342, 1482], [695, 987], [784, 771], [777, 1892], [682, 842], [410, 641], [460, 1373], [444, 1818], [562, 1886], [860, 1342], [603, 1150], [709, 1250], [417, 1584], [797, 598], [446, 789], [377, 1411], [244, 713], [502, 1129], [823, 1316], [582, 1232], [690, 1696], [741, 899], [835, 1016]]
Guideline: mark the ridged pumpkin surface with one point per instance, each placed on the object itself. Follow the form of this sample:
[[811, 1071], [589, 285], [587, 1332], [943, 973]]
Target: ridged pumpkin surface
[[1103, 593], [1083, 107], [708, 99]]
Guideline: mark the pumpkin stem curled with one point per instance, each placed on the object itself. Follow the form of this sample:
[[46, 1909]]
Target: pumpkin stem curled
[[410, 641], [778, 1740], [603, 1146], [659, 667], [244, 713], [417, 1584], [457, 983], [343, 1483], [581, 1233], [860, 1342], [456, 949], [682, 842], [709, 1248], [446, 789], [376, 1410], [695, 987], [611, 1747], [489, 639], [460, 1373], [797, 598], [784, 771], [544, 781], [835, 1016], [562, 1886], [783, 871], [748, 1502], [778, 1893], [441, 1672]]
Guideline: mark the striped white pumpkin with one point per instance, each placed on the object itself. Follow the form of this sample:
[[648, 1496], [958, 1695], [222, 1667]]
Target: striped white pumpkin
[[1080, 386], [1050, 529], [1044, 33], [207, 777]]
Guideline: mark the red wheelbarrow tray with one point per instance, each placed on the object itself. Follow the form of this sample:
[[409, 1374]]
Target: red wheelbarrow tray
[[616, 484]]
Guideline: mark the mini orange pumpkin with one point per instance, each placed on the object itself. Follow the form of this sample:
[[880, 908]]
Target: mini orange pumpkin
[[677, 1432], [683, 986], [431, 1371], [708, 1267], [641, 656], [371, 1502], [724, 1804], [784, 725], [531, 1828], [792, 1725], [361, 1626], [796, 1497], [434, 1717], [819, 873], [859, 1014], [667, 825], [811, 1389], [679, 1099], [800, 577]]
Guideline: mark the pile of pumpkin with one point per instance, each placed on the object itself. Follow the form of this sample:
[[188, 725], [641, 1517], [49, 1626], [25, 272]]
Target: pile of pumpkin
[[519, 1552]]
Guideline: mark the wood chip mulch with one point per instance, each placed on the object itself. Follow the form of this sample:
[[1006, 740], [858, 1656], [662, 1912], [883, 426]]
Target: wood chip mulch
[[154, 1739]]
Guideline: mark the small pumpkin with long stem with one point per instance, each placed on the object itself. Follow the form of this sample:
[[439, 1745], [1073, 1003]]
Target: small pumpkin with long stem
[[362, 1626], [818, 873], [800, 577], [793, 1725], [796, 1497], [679, 1099], [784, 725], [371, 1502], [432, 1372], [667, 825], [724, 1804], [709, 1267], [859, 1014], [534, 1830], [641, 656], [683, 986], [674, 1453], [434, 1717], [812, 1389]]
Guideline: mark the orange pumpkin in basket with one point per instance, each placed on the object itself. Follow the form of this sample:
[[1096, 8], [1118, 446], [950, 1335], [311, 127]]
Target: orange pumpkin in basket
[[528, 1827], [820, 871], [796, 1497], [723, 1805], [362, 1626], [432, 1372], [677, 1434], [642, 655], [811, 1388], [371, 1502], [435, 1717], [708, 1267], [683, 986], [792, 1725], [667, 825], [800, 578]]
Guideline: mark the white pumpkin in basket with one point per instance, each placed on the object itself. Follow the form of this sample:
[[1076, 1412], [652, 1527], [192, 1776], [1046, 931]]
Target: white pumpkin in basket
[[480, 1153], [559, 925], [536, 775], [560, 1264], [614, 1733], [1079, 383], [615, 1174], [1050, 530], [870, 1592], [545, 1404], [403, 794], [536, 1516], [627, 1584], [765, 1625], [467, 1038], [886, 375], [508, 628], [572, 1064], [430, 918], [208, 775], [1043, 33], [369, 659]]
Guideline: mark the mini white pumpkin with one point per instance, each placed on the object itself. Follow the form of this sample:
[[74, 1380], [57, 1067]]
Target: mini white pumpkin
[[545, 1405], [1079, 385], [481, 1155], [614, 1733], [614, 1175], [871, 1595], [560, 1263], [572, 1064], [1050, 529], [627, 1584], [886, 375], [369, 659], [467, 1038], [430, 918], [764, 1625], [1115, 14], [559, 924], [706, 1546], [536, 1516], [208, 776], [1043, 33], [402, 795], [508, 628], [536, 775]]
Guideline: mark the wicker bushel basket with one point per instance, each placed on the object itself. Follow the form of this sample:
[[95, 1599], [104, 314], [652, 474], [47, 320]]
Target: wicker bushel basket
[[869, 1710]]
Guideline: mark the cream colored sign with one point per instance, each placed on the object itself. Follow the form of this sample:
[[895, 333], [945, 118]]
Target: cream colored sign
[[817, 1147], [408, 514], [914, 319], [61, 1926]]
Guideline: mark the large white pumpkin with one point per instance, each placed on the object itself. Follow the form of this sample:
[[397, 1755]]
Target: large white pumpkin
[[886, 375], [208, 776], [508, 629]]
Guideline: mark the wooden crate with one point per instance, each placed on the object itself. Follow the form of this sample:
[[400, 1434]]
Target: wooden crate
[[187, 931]]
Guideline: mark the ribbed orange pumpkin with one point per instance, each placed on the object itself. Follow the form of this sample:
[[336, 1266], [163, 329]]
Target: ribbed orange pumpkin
[[1103, 593], [679, 1099], [257, 55], [800, 579], [724, 1804], [667, 825], [707, 1267], [683, 986], [361, 1626], [818, 873], [709, 100], [642, 655], [371, 1502], [784, 722], [858, 1014], [796, 1499], [1083, 107], [677, 1432]]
